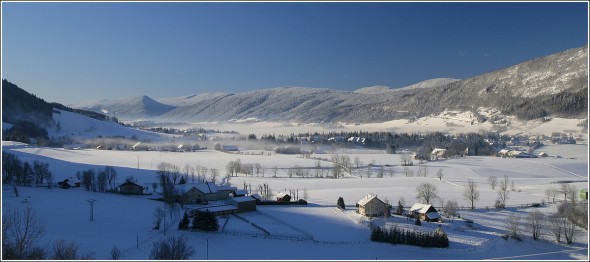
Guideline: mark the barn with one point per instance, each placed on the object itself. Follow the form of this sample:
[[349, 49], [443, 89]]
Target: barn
[[130, 188], [243, 203]]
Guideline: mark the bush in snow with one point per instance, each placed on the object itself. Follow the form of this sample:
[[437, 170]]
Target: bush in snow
[[175, 248]]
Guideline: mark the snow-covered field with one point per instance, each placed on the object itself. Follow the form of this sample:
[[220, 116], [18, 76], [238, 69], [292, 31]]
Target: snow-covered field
[[316, 231]]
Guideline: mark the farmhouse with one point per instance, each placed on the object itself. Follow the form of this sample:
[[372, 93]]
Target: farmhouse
[[372, 206], [424, 212], [68, 183], [283, 197], [437, 153], [202, 192], [130, 188]]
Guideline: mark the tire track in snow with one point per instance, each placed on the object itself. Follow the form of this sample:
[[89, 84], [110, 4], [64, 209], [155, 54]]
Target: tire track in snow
[[556, 167]]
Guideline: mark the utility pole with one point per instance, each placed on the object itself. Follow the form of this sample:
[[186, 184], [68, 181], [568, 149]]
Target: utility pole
[[207, 249], [91, 201]]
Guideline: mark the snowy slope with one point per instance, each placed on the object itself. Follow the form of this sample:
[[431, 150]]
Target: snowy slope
[[554, 85], [191, 99], [430, 83], [80, 126]]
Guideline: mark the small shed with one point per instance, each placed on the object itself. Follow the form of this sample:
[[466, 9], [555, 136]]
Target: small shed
[[283, 197], [130, 188], [425, 212], [243, 203], [372, 206]]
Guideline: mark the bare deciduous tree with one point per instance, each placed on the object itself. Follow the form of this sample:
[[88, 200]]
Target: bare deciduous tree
[[175, 248], [214, 174], [565, 189], [512, 226], [493, 182], [551, 193], [426, 192], [569, 230], [115, 253], [405, 158], [535, 220], [423, 171], [503, 190], [21, 230], [357, 161], [439, 174], [159, 214], [556, 227], [451, 208], [67, 250], [471, 194], [111, 176]]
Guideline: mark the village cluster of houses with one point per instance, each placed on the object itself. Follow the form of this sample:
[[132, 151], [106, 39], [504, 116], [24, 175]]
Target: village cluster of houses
[[371, 206]]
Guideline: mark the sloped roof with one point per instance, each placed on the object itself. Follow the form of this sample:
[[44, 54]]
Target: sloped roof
[[256, 196], [281, 195], [438, 151], [206, 188], [420, 208], [241, 192], [433, 215], [367, 199], [129, 183]]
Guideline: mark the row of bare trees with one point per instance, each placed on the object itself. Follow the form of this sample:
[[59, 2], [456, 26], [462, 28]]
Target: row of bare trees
[[24, 173]]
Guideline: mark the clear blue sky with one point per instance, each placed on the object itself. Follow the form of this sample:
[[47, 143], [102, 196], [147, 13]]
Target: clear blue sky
[[72, 52]]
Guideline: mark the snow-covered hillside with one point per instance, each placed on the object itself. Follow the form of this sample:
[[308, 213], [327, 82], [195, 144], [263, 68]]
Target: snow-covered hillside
[[430, 83], [554, 85], [80, 126], [191, 99]]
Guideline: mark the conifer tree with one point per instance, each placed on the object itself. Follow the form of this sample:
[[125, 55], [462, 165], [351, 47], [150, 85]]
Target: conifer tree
[[340, 203]]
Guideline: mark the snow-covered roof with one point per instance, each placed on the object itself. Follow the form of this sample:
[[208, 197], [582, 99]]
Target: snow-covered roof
[[420, 208], [367, 199], [206, 188], [281, 195], [256, 196], [241, 192], [242, 199], [438, 151]]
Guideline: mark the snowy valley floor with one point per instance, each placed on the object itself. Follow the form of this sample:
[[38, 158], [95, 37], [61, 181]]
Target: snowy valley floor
[[318, 231]]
